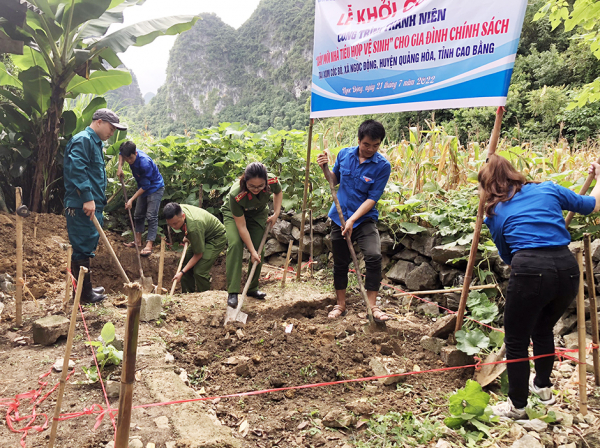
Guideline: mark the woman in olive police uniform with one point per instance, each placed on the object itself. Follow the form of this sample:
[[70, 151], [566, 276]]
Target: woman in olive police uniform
[[245, 215]]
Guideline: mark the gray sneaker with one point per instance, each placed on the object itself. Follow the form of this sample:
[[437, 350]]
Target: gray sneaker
[[508, 410], [545, 393]]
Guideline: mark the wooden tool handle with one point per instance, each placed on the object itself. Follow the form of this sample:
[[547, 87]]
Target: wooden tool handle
[[185, 246], [110, 249]]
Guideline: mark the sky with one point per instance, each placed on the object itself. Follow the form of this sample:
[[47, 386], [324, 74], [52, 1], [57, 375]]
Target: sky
[[149, 63]]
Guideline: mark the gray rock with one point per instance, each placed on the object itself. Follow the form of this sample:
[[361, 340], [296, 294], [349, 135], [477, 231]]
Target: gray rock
[[565, 324], [282, 230], [572, 341], [419, 260], [135, 443], [360, 407], [162, 422], [422, 278], [380, 369], [424, 242], [338, 419], [432, 344], [453, 357], [428, 308], [202, 358], [321, 228], [317, 245], [113, 389], [388, 245], [151, 307], [527, 441], [272, 246], [443, 326], [296, 233], [297, 220], [48, 329], [8, 287], [445, 253], [406, 254], [400, 271], [595, 250], [327, 242], [448, 276], [536, 425], [6, 278], [452, 300]]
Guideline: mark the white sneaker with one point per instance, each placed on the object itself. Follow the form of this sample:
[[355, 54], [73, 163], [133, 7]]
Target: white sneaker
[[545, 393], [508, 410]]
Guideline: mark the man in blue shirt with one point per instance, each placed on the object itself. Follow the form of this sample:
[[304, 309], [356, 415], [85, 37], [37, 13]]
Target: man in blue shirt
[[151, 188], [362, 173], [85, 187]]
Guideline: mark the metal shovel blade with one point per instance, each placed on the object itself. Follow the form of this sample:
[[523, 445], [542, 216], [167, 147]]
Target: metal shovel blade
[[489, 373], [235, 314]]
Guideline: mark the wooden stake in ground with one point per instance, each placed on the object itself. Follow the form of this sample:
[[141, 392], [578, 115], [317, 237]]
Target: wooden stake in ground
[[581, 336], [306, 179], [161, 265], [110, 249], [592, 298], [35, 221], [65, 369], [185, 246], [584, 188], [68, 278], [442, 291], [134, 293], [475, 243], [19, 288], [287, 263]]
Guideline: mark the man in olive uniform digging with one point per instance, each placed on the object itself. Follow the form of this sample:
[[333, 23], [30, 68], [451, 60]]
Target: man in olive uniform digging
[[85, 188], [206, 237]]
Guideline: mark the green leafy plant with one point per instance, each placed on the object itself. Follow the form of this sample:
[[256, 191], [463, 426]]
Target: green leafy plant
[[308, 371], [105, 353], [400, 430]]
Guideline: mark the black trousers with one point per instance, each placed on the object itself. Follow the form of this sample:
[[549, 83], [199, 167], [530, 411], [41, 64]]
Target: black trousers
[[543, 282], [367, 238]]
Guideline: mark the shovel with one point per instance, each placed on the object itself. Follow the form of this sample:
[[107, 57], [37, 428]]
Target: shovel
[[489, 373], [185, 246], [146, 282], [236, 313], [373, 326], [110, 249]]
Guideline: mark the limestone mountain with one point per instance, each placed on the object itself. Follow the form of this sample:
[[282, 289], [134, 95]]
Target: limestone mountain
[[258, 74]]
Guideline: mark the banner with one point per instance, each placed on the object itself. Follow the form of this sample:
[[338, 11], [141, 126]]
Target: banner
[[377, 56]]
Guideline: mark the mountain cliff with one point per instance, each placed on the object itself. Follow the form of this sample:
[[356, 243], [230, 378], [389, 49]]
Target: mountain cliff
[[258, 74]]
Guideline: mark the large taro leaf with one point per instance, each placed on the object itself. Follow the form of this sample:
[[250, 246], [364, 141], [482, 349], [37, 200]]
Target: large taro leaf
[[471, 342], [143, 33], [100, 82]]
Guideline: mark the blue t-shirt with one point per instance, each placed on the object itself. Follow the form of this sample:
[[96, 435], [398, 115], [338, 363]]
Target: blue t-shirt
[[359, 182], [533, 218], [146, 173]]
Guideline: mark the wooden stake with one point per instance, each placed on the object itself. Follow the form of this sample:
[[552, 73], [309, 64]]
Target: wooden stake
[[287, 263], [475, 243], [110, 249], [69, 347], [185, 246], [35, 221], [161, 265], [589, 267], [581, 336], [19, 288], [442, 291], [68, 278], [134, 292], [584, 188], [306, 179]]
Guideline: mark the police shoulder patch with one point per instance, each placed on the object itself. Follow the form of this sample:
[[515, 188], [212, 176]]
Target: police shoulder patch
[[272, 180], [240, 196]]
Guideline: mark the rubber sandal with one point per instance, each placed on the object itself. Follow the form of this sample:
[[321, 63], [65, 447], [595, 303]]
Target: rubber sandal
[[378, 314], [130, 245], [336, 312], [145, 252]]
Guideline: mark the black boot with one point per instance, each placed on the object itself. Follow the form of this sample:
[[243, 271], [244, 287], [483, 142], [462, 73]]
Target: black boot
[[88, 295], [257, 294], [232, 300]]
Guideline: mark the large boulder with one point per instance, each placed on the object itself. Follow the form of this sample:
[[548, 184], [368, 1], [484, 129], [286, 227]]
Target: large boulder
[[388, 245], [273, 246], [445, 253], [48, 329], [297, 220], [422, 278], [282, 230], [321, 228], [423, 242], [406, 255], [400, 271], [317, 245]]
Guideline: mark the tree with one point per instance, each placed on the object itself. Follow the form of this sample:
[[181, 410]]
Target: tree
[[584, 17], [67, 52]]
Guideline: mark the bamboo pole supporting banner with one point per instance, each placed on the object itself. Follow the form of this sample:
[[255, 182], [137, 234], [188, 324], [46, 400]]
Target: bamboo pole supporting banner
[[589, 268], [287, 263], [19, 236], [68, 278], [338, 207], [584, 188], [161, 265], [134, 303], [110, 249], [185, 246], [442, 291], [581, 336], [304, 197], [69, 347], [477, 232], [312, 243]]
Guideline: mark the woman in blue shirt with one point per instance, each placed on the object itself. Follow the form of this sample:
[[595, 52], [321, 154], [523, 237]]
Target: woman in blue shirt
[[527, 225]]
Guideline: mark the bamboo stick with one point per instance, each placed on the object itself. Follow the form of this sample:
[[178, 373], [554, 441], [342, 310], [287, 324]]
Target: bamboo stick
[[477, 232], [19, 288], [287, 263], [583, 190], [581, 336], [304, 197], [69, 347], [593, 309], [134, 293], [161, 265], [35, 221], [110, 249], [68, 278], [185, 246], [312, 243], [442, 291]]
